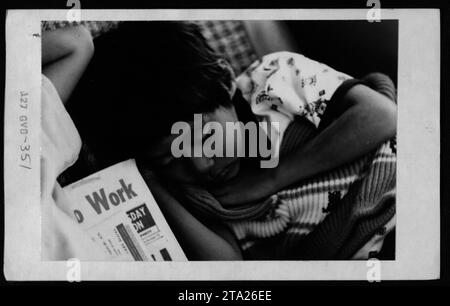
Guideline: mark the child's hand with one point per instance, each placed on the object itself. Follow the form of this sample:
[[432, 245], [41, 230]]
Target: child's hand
[[246, 188]]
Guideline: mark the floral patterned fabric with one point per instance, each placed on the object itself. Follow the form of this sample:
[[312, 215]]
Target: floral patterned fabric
[[282, 85]]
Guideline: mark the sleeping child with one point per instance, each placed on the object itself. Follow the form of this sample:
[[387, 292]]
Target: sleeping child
[[331, 196]]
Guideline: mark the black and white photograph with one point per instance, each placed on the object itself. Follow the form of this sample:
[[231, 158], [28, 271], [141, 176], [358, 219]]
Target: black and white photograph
[[222, 144]]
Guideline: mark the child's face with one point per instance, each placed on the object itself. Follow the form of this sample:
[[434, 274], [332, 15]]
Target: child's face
[[204, 170]]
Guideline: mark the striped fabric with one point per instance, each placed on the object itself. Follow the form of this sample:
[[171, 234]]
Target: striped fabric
[[298, 211], [331, 215], [345, 213], [382, 84]]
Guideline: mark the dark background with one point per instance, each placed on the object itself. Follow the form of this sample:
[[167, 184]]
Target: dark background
[[355, 47]]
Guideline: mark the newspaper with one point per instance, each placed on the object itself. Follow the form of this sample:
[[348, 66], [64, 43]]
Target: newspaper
[[117, 210]]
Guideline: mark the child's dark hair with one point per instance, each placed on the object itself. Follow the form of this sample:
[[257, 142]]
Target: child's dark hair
[[145, 76]]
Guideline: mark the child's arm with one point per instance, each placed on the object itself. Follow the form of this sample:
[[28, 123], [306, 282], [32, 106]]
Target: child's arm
[[65, 55], [199, 242], [365, 119]]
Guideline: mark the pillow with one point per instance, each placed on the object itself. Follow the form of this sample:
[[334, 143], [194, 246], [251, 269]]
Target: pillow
[[229, 38]]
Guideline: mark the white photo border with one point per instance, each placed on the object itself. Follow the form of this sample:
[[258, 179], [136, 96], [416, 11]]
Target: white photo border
[[418, 166]]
